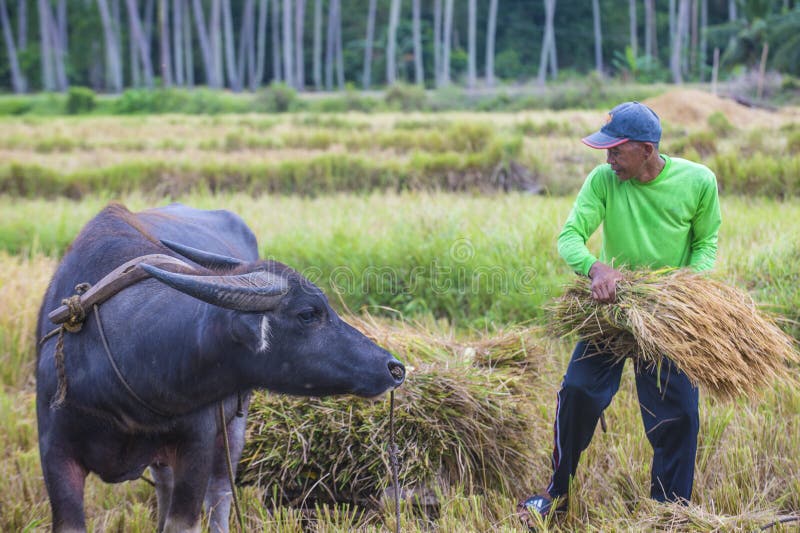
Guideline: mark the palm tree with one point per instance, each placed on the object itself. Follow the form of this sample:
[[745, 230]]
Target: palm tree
[[760, 22], [17, 77], [368, 43], [548, 55], [391, 43], [598, 37], [491, 32], [472, 46], [419, 74]]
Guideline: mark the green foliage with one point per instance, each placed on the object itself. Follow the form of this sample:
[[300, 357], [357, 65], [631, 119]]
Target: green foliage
[[695, 145], [15, 105], [507, 64], [644, 69], [758, 175], [277, 98], [198, 101], [793, 143], [720, 124], [405, 97], [80, 100]]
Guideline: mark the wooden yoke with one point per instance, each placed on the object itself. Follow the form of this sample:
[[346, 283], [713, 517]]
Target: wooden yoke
[[121, 277]]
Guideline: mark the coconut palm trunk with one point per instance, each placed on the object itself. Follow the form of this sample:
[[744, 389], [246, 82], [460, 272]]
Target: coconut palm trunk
[[472, 47], [391, 43], [681, 30], [299, 54], [288, 43], [339, 49], [437, 42], [367, 76], [650, 38], [317, 51], [205, 45], [447, 40], [633, 27], [548, 53], [139, 42], [113, 57], [330, 45], [18, 81], [419, 73], [215, 37], [165, 53], [187, 44], [177, 40], [277, 69], [234, 82], [491, 31], [598, 37], [261, 46]]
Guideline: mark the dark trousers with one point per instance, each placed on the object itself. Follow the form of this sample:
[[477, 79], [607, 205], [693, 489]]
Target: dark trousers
[[669, 414]]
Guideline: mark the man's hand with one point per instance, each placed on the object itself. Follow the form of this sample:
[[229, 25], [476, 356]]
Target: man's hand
[[604, 282]]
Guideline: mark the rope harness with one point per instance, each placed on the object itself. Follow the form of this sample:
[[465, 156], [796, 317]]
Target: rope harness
[[73, 324]]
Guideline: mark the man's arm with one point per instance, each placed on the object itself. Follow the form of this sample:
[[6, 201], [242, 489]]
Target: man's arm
[[705, 228], [584, 219]]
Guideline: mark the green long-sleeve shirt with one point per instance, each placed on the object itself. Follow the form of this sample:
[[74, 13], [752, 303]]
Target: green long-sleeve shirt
[[672, 220]]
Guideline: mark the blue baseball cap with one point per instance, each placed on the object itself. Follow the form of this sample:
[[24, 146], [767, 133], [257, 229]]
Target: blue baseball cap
[[631, 121]]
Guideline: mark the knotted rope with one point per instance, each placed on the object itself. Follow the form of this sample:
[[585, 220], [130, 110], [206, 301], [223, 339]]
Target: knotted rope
[[77, 315]]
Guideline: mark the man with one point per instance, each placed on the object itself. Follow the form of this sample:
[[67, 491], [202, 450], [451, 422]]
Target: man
[[656, 211]]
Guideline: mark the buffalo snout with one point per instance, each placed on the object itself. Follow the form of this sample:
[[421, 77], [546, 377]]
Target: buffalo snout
[[398, 372]]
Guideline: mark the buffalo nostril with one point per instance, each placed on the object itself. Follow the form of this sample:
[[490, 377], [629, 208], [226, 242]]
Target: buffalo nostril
[[398, 371]]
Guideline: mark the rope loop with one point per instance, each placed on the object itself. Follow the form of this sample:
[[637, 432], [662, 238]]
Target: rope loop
[[61, 391], [73, 324], [77, 314]]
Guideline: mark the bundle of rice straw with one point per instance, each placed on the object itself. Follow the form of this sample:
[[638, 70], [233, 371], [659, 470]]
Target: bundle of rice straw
[[712, 331], [462, 418]]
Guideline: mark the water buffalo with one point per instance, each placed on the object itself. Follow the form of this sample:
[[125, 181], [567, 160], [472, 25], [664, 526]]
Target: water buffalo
[[196, 331]]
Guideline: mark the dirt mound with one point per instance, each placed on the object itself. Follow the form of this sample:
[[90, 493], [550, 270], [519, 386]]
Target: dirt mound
[[692, 107]]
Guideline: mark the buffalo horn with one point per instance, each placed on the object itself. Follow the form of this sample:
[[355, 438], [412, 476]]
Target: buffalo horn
[[254, 291], [201, 257]]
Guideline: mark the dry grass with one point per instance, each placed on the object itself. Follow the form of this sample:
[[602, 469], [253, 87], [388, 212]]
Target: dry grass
[[713, 332]]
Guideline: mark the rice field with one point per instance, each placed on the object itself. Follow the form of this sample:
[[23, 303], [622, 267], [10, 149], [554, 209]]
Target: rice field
[[448, 281]]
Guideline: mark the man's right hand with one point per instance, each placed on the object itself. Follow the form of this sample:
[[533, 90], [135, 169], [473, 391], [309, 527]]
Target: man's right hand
[[604, 282]]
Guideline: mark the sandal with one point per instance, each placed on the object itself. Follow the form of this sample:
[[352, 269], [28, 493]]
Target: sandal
[[541, 506]]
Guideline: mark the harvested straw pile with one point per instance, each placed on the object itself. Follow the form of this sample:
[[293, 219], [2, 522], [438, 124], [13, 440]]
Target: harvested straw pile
[[712, 331], [463, 417]]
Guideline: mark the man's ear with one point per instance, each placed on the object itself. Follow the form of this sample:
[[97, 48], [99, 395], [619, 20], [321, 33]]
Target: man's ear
[[649, 149]]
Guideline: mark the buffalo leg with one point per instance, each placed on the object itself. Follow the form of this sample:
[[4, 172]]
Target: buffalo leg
[[191, 471], [220, 493], [163, 478], [65, 480]]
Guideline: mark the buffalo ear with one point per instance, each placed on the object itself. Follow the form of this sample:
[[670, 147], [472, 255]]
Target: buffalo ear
[[254, 291], [203, 258], [253, 331]]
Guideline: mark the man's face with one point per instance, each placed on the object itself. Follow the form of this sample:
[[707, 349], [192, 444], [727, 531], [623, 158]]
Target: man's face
[[628, 160]]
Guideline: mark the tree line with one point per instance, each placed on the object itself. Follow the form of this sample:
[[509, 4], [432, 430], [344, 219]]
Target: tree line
[[111, 45]]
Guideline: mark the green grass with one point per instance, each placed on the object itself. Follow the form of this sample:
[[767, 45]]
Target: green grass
[[477, 261], [306, 154]]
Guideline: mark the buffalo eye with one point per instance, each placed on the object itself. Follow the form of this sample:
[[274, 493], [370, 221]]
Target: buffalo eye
[[307, 317]]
